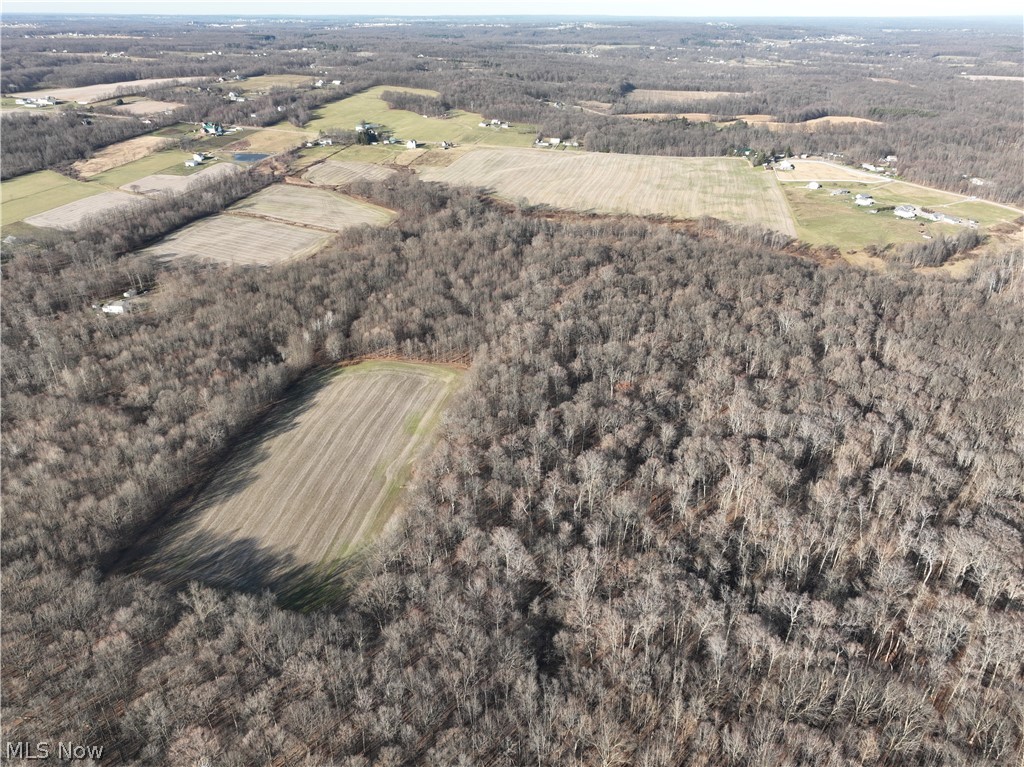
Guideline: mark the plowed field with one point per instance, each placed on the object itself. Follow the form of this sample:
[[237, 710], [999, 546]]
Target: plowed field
[[333, 173]]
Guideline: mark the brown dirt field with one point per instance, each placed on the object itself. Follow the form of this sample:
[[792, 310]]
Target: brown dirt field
[[324, 474], [270, 141], [239, 240], [145, 107], [116, 155], [823, 121], [334, 173], [87, 211], [160, 183], [89, 93], [313, 207]]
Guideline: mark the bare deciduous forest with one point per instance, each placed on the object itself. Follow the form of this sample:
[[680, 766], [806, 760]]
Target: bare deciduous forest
[[699, 500]]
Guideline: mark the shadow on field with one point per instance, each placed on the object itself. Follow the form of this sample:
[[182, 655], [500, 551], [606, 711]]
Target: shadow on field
[[176, 550]]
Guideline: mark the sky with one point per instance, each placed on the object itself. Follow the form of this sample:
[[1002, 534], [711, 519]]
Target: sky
[[581, 8]]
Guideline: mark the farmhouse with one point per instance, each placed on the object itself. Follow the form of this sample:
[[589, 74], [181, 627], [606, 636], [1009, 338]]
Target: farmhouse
[[905, 211], [785, 166], [814, 185], [864, 199], [122, 306], [410, 144]]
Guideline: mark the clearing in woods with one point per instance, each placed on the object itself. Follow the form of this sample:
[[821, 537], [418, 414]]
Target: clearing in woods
[[320, 478], [143, 107], [678, 187], [239, 240], [313, 207], [682, 97]]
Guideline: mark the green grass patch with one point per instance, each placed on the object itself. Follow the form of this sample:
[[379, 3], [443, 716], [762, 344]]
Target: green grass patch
[[460, 128], [822, 219], [170, 161], [37, 192]]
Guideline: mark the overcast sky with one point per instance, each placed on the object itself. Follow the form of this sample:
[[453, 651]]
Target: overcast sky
[[717, 9]]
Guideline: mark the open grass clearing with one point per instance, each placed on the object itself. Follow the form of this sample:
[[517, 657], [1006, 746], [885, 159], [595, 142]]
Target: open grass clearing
[[239, 241], [313, 207], [35, 193], [89, 210], [334, 173], [460, 128], [119, 154], [322, 476], [88, 94], [677, 187], [162, 183]]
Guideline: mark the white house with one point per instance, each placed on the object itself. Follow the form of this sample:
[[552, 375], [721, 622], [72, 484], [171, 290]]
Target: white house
[[864, 200], [814, 185], [198, 157], [785, 166], [410, 144], [905, 211]]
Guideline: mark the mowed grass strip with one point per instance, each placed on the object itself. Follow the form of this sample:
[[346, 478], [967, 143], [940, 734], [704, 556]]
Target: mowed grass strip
[[38, 192], [334, 173], [239, 241], [90, 210], [324, 475], [460, 128], [312, 207], [676, 187]]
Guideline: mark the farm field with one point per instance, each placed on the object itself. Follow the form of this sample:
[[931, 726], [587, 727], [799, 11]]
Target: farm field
[[312, 207], [89, 93], [143, 107], [84, 211], [460, 128], [825, 220], [680, 187], [822, 171], [270, 141], [119, 154], [323, 476], [334, 173], [645, 94], [35, 193], [239, 241], [170, 161], [160, 183], [264, 83]]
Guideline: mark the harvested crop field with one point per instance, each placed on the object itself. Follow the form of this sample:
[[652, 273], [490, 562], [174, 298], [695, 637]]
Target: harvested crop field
[[678, 187], [239, 240], [821, 171], [119, 154], [323, 475], [333, 173], [312, 207], [144, 107], [821, 122], [90, 93], [87, 211], [160, 183]]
